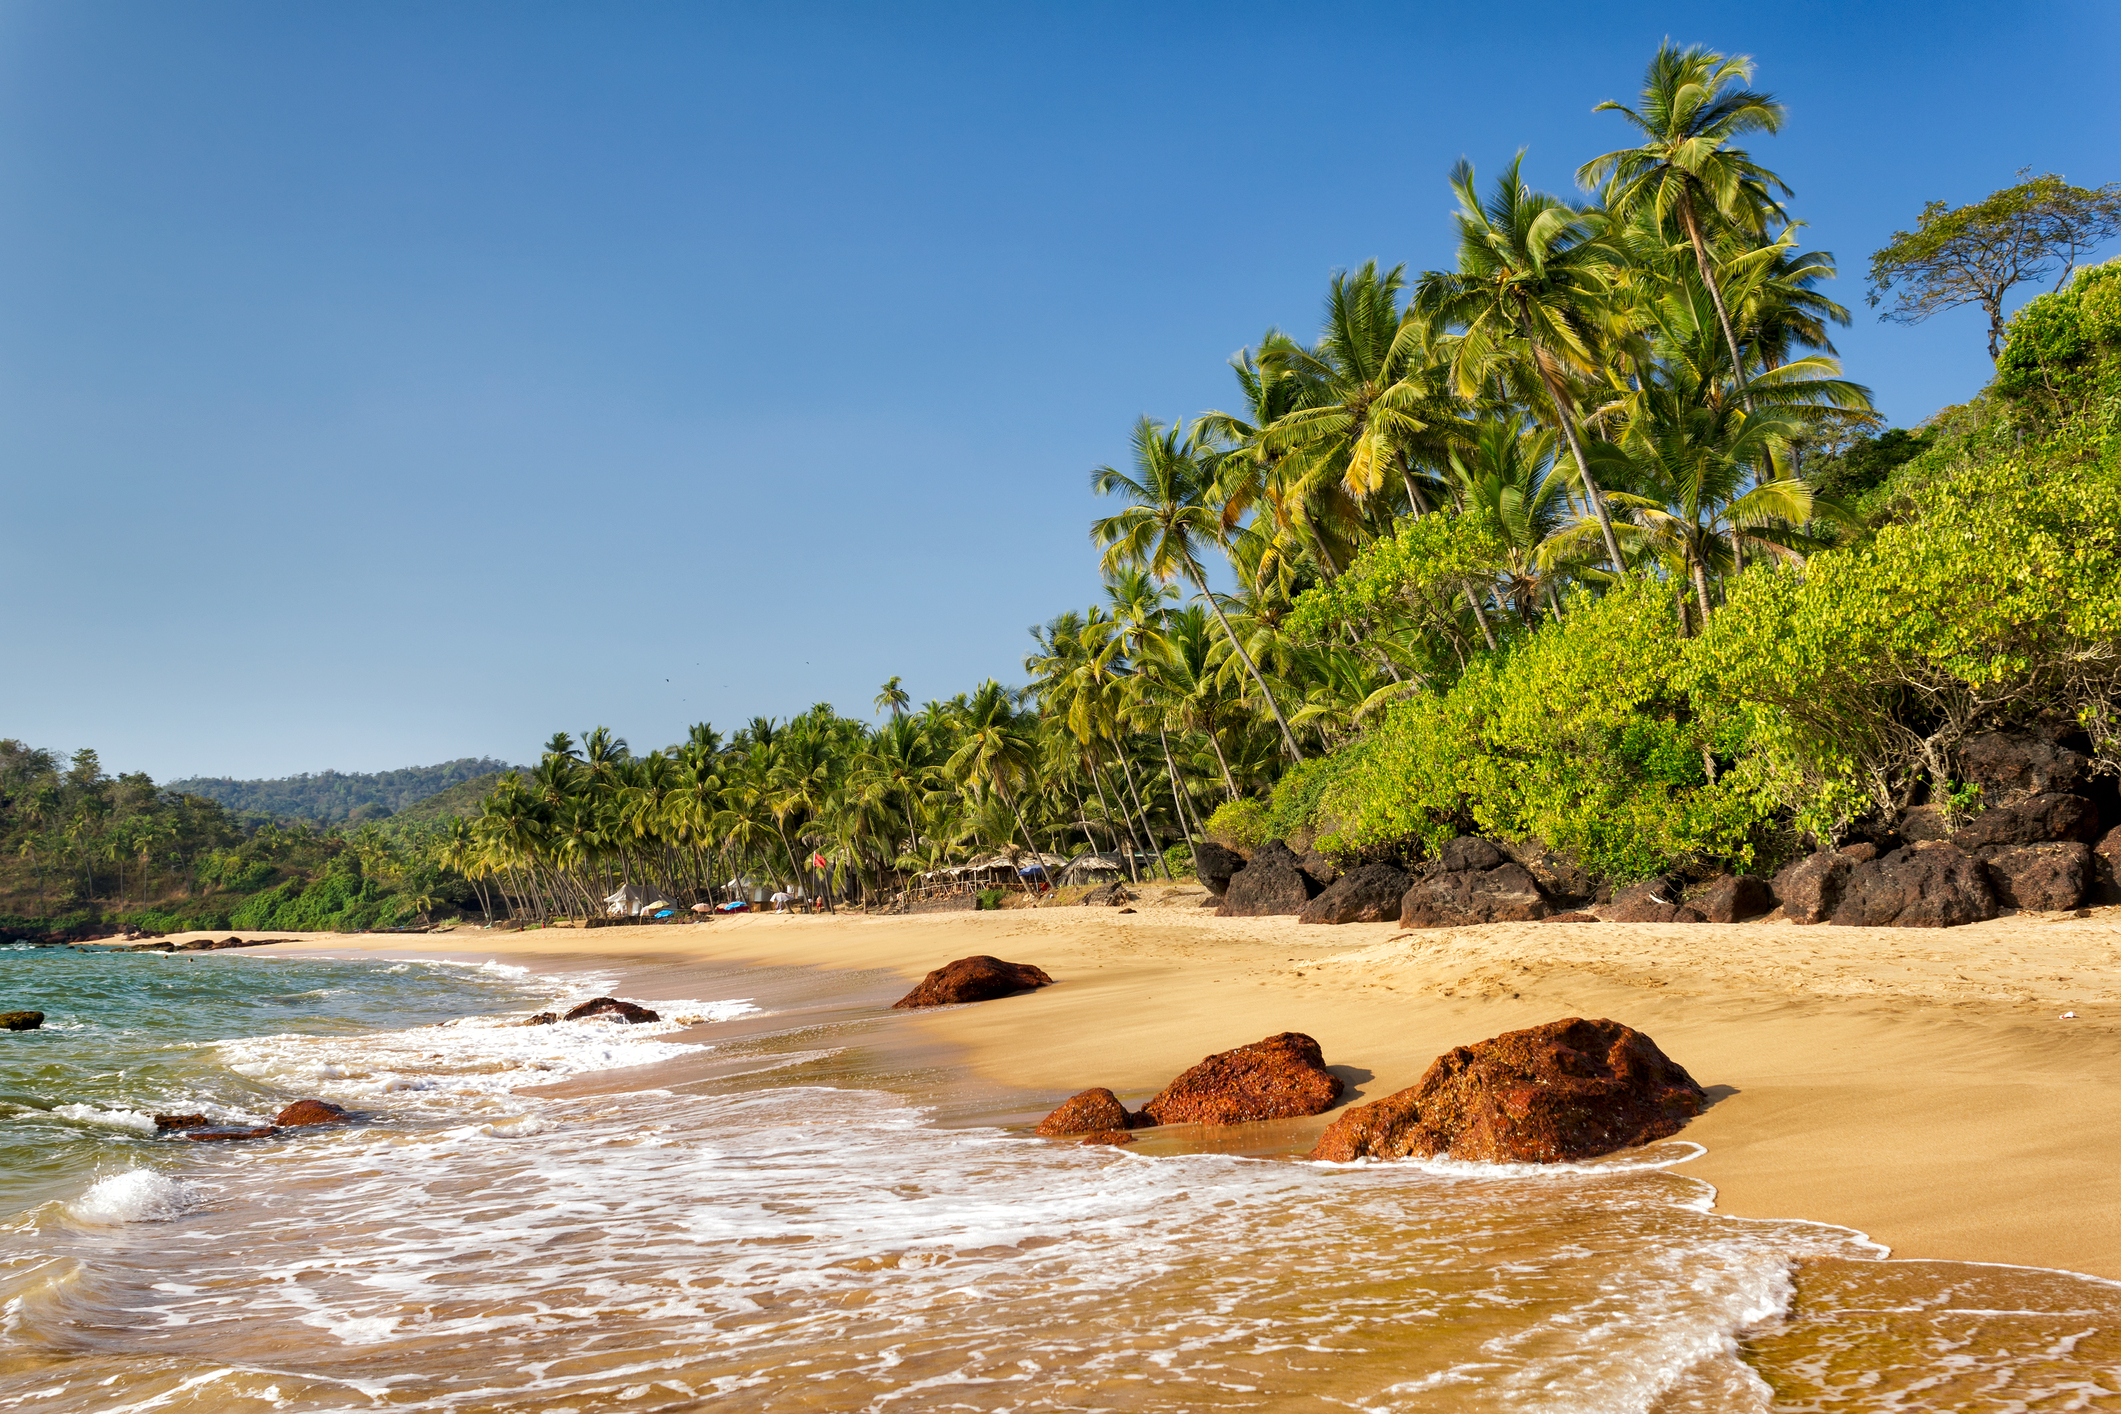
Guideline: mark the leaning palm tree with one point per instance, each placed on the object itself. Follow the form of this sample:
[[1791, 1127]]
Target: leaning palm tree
[[1163, 531], [1531, 274], [1691, 109]]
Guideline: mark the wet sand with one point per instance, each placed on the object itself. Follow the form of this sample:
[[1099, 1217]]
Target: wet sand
[[1917, 1085]]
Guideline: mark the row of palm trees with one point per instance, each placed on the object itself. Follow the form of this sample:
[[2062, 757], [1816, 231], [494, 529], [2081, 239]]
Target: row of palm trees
[[1599, 392]]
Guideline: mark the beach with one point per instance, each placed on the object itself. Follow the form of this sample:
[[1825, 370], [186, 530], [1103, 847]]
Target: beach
[[1917, 1085]]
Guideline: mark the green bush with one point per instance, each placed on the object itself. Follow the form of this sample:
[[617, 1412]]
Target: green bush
[[990, 898]]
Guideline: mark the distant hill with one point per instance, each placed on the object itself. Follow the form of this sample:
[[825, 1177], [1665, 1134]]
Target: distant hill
[[460, 799], [336, 797]]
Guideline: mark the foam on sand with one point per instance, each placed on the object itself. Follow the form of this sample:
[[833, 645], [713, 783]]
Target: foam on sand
[[135, 1196]]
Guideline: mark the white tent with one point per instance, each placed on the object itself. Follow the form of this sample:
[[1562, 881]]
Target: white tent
[[629, 900]]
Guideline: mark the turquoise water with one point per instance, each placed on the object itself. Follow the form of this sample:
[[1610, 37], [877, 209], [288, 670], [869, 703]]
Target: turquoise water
[[130, 1035]]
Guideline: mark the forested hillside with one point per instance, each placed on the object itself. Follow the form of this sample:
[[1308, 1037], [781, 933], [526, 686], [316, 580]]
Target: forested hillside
[[330, 797]]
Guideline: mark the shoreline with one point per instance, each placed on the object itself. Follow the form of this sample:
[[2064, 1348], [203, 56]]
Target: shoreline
[[1917, 1086]]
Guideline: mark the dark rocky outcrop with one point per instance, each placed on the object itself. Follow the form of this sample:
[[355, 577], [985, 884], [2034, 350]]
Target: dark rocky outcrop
[[1809, 889], [2033, 820], [1917, 886], [1106, 896], [1318, 868], [1925, 824], [1213, 865], [2010, 765], [307, 1112], [2106, 867], [974, 979], [21, 1020], [1094, 1111], [543, 1018], [1652, 900], [1474, 883], [166, 1122], [1271, 883], [1567, 1090], [1565, 882], [611, 1006], [1279, 1078], [1735, 897], [2056, 875], [1371, 894]]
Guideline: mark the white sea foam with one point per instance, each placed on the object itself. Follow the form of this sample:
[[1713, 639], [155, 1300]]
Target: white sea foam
[[115, 1119], [135, 1196]]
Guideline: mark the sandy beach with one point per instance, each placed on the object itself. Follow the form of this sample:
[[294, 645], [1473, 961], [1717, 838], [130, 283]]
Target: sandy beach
[[1918, 1085]]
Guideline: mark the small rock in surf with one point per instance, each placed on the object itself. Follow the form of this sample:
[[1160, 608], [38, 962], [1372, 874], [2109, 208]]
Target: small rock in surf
[[611, 1006], [304, 1112]]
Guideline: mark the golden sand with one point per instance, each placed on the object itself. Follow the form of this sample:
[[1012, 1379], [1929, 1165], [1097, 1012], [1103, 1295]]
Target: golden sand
[[1918, 1085]]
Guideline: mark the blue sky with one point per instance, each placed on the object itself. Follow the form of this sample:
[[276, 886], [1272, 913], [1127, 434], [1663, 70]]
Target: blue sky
[[386, 383]]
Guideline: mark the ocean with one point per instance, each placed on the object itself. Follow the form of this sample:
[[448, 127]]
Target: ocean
[[771, 1200]]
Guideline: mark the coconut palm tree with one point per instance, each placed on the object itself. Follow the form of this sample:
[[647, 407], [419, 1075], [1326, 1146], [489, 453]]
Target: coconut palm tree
[[1693, 105], [1165, 528], [1531, 278]]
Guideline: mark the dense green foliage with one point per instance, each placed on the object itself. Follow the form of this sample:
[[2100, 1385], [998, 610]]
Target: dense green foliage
[[330, 797]]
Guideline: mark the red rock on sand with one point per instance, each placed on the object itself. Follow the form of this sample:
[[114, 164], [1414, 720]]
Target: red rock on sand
[[1567, 1090], [974, 979], [1091, 1112], [611, 1006], [304, 1112], [1281, 1077]]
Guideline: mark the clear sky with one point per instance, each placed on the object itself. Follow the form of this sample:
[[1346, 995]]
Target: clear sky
[[385, 383]]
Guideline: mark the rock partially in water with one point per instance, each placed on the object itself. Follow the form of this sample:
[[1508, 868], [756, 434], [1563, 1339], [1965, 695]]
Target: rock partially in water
[[1917, 886], [307, 1112], [1091, 1112], [21, 1020], [2051, 876], [1370, 894], [219, 1133], [974, 979], [166, 1122], [543, 1018], [611, 1006], [1282, 1077], [1564, 1091]]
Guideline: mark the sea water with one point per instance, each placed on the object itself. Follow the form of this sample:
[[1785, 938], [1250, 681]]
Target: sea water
[[751, 1206]]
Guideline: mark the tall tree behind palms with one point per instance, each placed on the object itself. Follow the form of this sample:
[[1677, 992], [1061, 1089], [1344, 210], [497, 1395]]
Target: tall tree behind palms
[[893, 698], [1691, 110], [1163, 531]]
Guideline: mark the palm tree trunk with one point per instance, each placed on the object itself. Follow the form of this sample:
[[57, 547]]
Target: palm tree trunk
[[1473, 603], [1288, 737], [1025, 830], [1701, 588], [1106, 806], [1229, 783], [1181, 801], [1148, 834]]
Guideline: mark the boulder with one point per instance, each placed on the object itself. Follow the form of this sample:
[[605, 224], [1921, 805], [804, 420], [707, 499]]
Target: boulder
[[1469, 852], [1092, 1112], [1557, 873], [1278, 1078], [2106, 866], [1861, 852], [163, 1122], [611, 1006], [1917, 886], [307, 1112], [1925, 823], [1567, 1090], [1318, 869], [543, 1018], [2056, 875], [2033, 820], [1106, 896], [1371, 894], [1505, 894], [974, 979], [1809, 889], [1652, 900], [1213, 866], [2010, 765], [1271, 884], [1734, 897], [21, 1020]]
